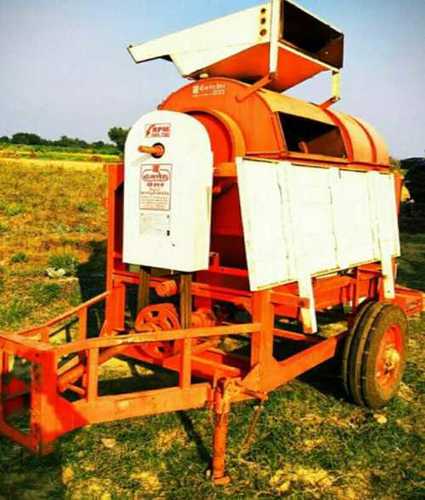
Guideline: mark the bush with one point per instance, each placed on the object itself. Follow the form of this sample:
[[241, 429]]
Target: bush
[[27, 138], [19, 257], [65, 261], [45, 293]]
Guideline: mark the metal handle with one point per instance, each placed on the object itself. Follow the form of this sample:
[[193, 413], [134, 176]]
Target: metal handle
[[157, 151]]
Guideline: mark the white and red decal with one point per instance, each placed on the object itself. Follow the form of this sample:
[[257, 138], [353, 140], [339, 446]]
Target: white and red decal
[[158, 130], [155, 187]]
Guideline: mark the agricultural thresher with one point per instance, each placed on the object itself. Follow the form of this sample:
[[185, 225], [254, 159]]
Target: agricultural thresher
[[240, 212]]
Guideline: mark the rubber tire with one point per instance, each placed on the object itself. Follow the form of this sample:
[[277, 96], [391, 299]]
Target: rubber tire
[[372, 393], [348, 341], [363, 351]]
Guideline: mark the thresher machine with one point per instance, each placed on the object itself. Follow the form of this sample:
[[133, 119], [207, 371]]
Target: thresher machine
[[238, 211]]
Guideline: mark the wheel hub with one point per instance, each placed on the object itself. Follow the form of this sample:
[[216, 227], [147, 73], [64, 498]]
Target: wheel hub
[[388, 363], [391, 359]]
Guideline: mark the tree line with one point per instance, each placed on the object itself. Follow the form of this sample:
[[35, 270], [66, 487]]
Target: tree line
[[117, 135]]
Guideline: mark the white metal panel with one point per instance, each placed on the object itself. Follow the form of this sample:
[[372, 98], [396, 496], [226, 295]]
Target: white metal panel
[[195, 48], [355, 214], [275, 27], [387, 236], [167, 201], [311, 210], [260, 198], [303, 221], [386, 212]]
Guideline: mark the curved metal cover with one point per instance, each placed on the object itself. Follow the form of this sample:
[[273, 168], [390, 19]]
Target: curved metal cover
[[281, 103], [167, 200]]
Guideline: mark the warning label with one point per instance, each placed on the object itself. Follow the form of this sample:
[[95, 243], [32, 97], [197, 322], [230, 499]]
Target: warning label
[[155, 187]]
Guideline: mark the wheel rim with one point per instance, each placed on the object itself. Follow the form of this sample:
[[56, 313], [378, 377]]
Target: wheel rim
[[390, 358]]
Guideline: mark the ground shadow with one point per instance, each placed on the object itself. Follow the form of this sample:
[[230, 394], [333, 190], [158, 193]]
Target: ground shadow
[[92, 280], [193, 435]]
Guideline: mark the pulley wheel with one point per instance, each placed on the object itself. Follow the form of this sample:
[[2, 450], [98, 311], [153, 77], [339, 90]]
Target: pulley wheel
[[157, 317]]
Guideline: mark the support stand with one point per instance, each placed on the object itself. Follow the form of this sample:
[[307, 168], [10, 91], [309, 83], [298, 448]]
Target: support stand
[[221, 424]]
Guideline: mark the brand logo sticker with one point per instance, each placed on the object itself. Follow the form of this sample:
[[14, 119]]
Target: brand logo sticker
[[208, 89], [158, 130]]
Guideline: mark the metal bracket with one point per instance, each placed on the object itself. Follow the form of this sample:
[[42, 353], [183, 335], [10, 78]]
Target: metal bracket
[[336, 91]]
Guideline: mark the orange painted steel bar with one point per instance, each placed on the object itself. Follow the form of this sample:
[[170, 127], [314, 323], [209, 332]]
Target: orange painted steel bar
[[140, 338], [150, 402]]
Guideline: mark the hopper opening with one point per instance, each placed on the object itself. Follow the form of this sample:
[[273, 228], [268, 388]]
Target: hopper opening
[[308, 136], [311, 35]]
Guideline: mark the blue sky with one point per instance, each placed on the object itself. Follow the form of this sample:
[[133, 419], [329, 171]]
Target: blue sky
[[65, 69]]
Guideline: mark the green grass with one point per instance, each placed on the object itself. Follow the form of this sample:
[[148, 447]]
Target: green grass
[[87, 207], [19, 257], [45, 293], [13, 313], [13, 209], [412, 262], [309, 442]]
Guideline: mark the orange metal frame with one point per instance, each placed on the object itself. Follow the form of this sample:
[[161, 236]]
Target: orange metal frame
[[63, 393]]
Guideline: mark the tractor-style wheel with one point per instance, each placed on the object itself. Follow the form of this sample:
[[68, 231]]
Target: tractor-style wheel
[[375, 354]]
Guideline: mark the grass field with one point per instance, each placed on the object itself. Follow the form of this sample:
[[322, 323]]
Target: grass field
[[308, 442], [107, 153]]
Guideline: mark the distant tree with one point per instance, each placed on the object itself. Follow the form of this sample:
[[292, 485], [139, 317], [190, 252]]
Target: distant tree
[[394, 162], [415, 178], [27, 139], [70, 142], [414, 162], [62, 142], [118, 136], [30, 139]]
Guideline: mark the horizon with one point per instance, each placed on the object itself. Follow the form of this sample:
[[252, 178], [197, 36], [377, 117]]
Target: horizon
[[67, 75]]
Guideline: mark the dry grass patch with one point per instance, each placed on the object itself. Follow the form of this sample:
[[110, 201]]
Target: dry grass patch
[[42, 229], [168, 437]]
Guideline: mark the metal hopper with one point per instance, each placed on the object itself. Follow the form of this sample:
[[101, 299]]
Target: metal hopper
[[277, 37]]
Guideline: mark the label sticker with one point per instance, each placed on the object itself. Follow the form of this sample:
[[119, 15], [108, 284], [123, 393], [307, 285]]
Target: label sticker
[[155, 187], [154, 224], [208, 89], [158, 130]]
